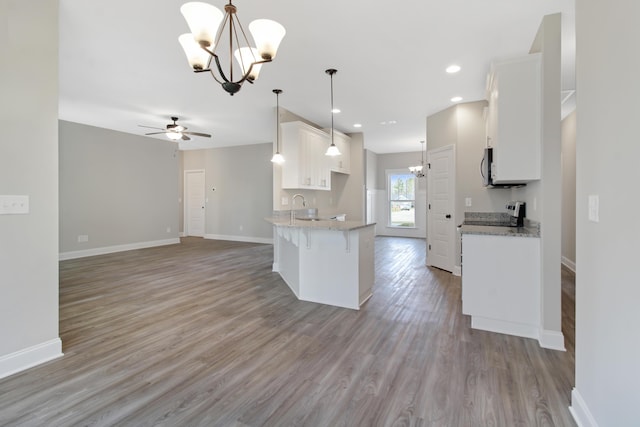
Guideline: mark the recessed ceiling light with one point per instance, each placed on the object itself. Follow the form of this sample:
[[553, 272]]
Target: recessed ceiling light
[[453, 68], [335, 110], [456, 99], [392, 122], [357, 125]]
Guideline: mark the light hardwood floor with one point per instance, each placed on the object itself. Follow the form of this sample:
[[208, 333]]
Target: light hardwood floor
[[205, 334]]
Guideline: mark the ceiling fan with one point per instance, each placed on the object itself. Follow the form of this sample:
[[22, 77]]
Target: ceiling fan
[[174, 131]]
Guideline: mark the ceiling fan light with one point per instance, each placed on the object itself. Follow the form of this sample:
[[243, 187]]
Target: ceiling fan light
[[247, 56], [203, 20], [277, 158], [174, 136], [267, 34], [332, 151], [197, 57]]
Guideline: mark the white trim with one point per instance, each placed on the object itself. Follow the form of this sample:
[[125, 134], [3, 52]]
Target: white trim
[[457, 270], [580, 412], [248, 239], [571, 265], [29, 357], [117, 248], [504, 327], [553, 340]]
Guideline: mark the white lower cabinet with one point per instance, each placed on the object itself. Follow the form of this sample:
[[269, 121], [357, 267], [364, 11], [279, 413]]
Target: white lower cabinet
[[501, 283], [306, 166]]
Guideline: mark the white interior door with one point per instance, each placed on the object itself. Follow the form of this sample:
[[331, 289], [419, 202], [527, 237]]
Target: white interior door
[[194, 203], [441, 233]]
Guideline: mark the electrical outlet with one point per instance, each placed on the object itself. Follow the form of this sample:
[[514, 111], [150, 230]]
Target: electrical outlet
[[14, 205], [83, 238], [168, 229], [467, 201], [285, 201], [594, 208]]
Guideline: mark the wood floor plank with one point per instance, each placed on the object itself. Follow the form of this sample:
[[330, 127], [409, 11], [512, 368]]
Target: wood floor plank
[[204, 333]]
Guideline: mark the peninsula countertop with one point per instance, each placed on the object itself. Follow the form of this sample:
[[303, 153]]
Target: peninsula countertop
[[319, 224]]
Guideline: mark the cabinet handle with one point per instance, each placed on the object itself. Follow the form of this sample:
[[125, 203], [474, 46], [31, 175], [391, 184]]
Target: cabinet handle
[[448, 216]]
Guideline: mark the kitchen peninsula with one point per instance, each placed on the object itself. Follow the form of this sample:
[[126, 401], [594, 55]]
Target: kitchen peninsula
[[325, 261]]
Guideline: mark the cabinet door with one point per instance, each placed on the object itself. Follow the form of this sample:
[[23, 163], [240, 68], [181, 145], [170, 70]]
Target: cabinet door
[[501, 278], [513, 127], [306, 166]]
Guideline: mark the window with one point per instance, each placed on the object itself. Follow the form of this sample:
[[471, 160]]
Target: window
[[401, 188]]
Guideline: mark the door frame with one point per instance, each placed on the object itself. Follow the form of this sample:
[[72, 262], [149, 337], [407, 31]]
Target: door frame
[[452, 176], [185, 193]]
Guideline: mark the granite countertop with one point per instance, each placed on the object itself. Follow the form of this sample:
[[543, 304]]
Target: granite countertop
[[497, 224], [319, 224]]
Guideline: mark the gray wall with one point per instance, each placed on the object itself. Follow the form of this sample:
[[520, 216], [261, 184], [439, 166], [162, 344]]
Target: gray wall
[[569, 190], [607, 152], [29, 166], [242, 178], [400, 161], [463, 125], [115, 188]]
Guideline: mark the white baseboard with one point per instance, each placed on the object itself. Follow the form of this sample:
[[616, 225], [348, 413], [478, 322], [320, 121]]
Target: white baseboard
[[30, 357], [504, 327], [248, 239], [580, 412], [457, 270], [118, 248], [553, 340], [571, 265]]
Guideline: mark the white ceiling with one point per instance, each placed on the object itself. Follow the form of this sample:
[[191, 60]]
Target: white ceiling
[[121, 65]]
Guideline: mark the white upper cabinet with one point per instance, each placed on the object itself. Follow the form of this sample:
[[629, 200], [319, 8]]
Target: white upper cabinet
[[514, 119], [306, 166], [341, 163]]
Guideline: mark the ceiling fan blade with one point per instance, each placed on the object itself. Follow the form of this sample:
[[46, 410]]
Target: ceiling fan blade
[[205, 135], [185, 138], [155, 133], [150, 127]]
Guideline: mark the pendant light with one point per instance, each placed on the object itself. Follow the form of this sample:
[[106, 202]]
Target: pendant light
[[277, 158], [332, 150], [418, 171]]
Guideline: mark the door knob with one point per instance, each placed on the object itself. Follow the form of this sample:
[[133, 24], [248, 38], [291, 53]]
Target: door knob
[[447, 216]]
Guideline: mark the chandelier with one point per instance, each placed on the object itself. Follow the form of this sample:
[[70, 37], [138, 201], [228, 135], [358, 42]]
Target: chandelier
[[418, 171], [209, 30], [332, 150]]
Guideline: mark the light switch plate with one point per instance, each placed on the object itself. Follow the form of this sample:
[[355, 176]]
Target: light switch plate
[[594, 208], [11, 205]]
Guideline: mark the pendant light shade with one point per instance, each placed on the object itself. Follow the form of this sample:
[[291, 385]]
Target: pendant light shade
[[203, 20], [267, 34], [332, 150], [198, 58], [277, 157], [245, 57]]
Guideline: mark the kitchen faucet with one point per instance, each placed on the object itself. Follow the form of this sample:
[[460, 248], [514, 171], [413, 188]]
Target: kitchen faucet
[[293, 202]]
